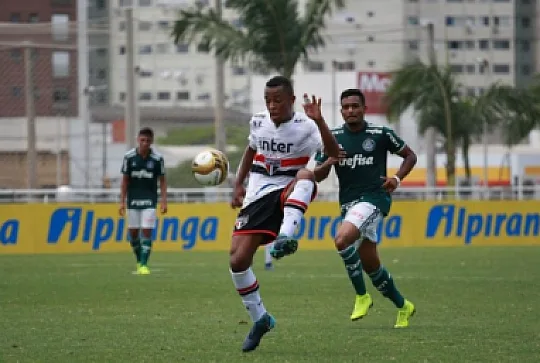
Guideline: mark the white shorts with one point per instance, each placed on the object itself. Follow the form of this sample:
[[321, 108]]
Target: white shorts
[[141, 218], [366, 217]]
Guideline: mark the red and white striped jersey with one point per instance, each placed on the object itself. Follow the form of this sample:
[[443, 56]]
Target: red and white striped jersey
[[281, 151]]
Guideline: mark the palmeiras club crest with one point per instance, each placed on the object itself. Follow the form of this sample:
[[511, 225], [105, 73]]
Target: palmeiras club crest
[[368, 145]]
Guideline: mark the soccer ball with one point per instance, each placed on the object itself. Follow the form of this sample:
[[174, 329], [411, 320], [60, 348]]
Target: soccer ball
[[210, 167]]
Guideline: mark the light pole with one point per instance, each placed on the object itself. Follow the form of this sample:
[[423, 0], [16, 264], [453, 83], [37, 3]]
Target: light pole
[[484, 66]]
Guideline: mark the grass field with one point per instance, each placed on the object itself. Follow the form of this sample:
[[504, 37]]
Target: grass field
[[473, 305]]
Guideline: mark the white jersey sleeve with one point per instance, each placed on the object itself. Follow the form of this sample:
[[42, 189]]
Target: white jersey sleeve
[[254, 125], [314, 142]]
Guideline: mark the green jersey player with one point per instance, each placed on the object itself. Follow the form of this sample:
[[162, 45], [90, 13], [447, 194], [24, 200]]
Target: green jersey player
[[365, 199], [142, 168]]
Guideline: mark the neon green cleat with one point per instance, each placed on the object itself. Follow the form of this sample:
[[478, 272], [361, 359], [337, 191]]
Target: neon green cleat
[[404, 314], [361, 306], [143, 270], [138, 266]]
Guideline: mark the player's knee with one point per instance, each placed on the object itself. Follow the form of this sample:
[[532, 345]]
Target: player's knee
[[342, 241], [238, 261], [305, 174]]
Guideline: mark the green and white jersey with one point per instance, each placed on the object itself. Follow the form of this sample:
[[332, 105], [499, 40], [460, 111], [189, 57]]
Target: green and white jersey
[[143, 178], [359, 174]]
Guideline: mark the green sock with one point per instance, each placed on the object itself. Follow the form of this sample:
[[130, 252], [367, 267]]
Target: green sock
[[136, 247], [384, 282], [354, 268], [145, 251]]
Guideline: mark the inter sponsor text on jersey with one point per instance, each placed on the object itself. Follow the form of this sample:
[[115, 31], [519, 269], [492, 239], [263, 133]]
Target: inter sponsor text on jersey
[[281, 151]]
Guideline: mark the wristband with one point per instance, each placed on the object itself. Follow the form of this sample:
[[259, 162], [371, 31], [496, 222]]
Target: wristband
[[398, 179]]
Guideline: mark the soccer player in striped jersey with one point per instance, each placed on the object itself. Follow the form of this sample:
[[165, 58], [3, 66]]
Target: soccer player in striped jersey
[[280, 188]]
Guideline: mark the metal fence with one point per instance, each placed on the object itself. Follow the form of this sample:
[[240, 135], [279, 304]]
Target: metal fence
[[210, 195]]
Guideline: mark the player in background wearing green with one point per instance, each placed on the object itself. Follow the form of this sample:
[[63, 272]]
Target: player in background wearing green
[[142, 167], [365, 199]]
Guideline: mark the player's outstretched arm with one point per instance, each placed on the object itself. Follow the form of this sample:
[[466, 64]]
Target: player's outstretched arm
[[322, 171], [313, 111]]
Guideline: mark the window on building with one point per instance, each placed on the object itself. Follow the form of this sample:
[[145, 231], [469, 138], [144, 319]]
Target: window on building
[[60, 27], [101, 74], [501, 44], [525, 45], [483, 44], [15, 18], [101, 52], [471, 91], [450, 20], [469, 44], [145, 96], [371, 38], [145, 49], [125, 3], [144, 73], [164, 96], [204, 96], [525, 22], [145, 25], [16, 91], [182, 48], [471, 68], [16, 55], [455, 44], [203, 48], [182, 96], [412, 20], [526, 69], [100, 4], [456, 68], [371, 63], [370, 14], [162, 48], [145, 2], [33, 18], [238, 71], [484, 20], [60, 64], [122, 96], [163, 24], [344, 66], [413, 44], [314, 66], [60, 95], [122, 50], [501, 68], [102, 97]]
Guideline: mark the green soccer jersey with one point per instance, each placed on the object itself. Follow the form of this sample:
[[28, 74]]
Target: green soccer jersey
[[359, 173], [143, 176]]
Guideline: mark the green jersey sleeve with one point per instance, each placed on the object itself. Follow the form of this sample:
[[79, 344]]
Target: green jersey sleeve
[[394, 142], [320, 157], [125, 166], [161, 169]]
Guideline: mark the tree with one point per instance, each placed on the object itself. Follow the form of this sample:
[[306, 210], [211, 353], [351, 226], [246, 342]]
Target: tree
[[429, 90], [273, 34], [515, 110]]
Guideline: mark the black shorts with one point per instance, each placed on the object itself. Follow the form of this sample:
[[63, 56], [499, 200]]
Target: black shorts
[[263, 216]]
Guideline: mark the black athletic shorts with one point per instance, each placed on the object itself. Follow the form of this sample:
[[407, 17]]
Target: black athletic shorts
[[263, 216]]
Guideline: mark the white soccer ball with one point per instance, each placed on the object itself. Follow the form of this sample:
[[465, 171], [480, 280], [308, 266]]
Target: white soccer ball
[[210, 167]]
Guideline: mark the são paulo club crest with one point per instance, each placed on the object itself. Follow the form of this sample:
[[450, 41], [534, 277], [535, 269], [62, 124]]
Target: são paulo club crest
[[241, 221], [368, 145]]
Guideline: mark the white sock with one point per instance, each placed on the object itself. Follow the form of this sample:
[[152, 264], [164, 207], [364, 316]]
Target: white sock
[[267, 256], [247, 286], [296, 205]]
